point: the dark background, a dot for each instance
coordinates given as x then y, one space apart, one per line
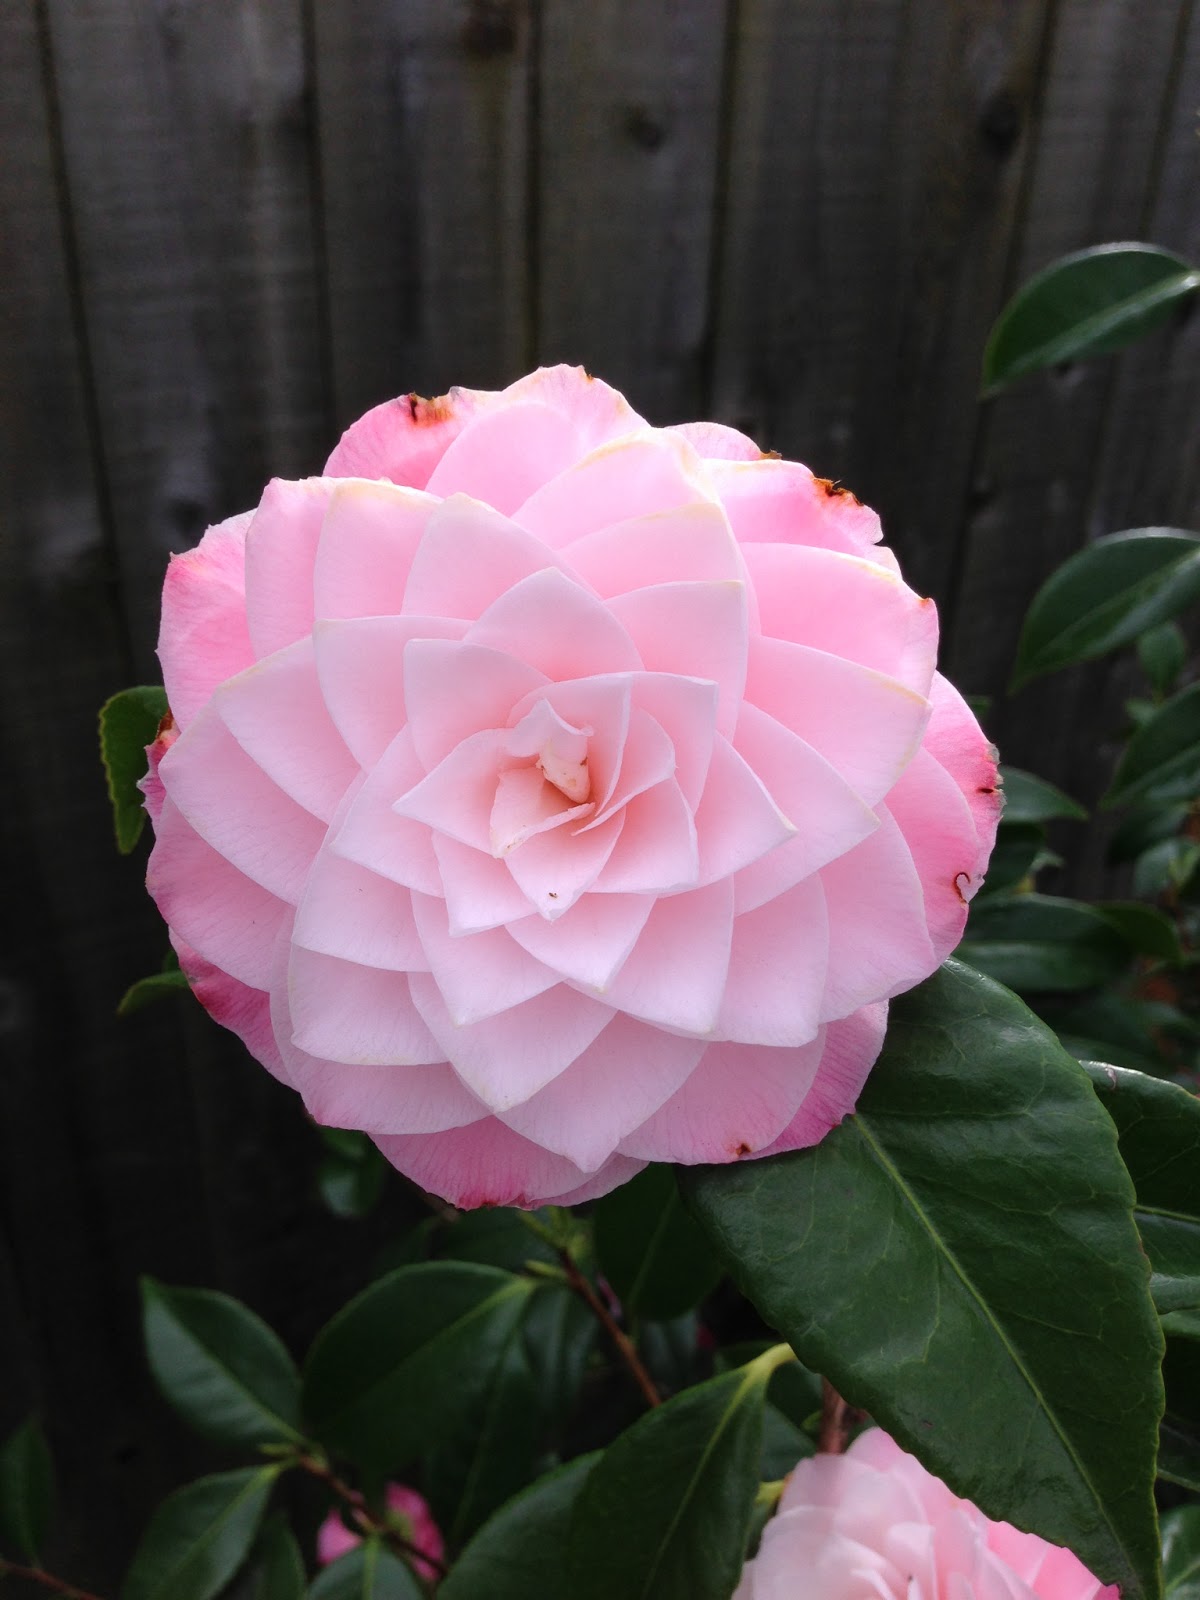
229 226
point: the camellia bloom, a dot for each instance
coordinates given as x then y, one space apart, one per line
874 1525
547 793
410 1511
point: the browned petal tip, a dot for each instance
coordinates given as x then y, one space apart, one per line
769 455
741 1150
961 879
166 726
836 491
427 413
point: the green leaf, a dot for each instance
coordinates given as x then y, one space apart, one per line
1143 828
521 1553
945 1255
1106 595
280 1567
1162 653
1030 799
1167 866
200 1536
1018 850
560 1334
146 991
26 1491
497 1237
368 1572
1039 943
1179 1444
1181 1553
128 723
1158 1126
351 1174
653 1253
1181 1324
220 1366
1089 303
666 1513
1146 930
1163 756
408 1357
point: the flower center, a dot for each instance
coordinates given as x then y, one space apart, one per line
548 782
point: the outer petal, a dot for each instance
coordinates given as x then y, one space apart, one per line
625 478
777 970
281 556
935 819
782 502
375 837
404 439
716 442
955 739
236 1006
505 454
354 914
363 1016
203 638
596 411
852 1047
692 542
368 539
676 974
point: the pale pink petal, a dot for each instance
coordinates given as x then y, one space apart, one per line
557 627
456 798
676 973
657 852
625 478
480 891
846 606
153 793
203 638
955 740
281 554
698 630
225 916
601 703
647 759
686 710
933 815
619 1081
597 413
369 537
469 557
350 912
866 725
616 1170
691 541
477 974
588 944
733 1105
487 1164
505 454
342 1011
235 1005
780 501
553 869
737 820
381 1100
236 808
455 690
852 1046
513 1055
374 836
360 667
777 970
715 442
878 939
828 815
275 711
404 439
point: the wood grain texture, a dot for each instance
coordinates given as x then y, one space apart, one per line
628 139
423 122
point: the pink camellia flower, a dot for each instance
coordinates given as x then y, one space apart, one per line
548 793
411 1512
874 1525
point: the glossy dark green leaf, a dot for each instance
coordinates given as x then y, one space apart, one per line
1146 930
1039 943
220 1366
199 1536
143 993
1169 866
368 1572
560 1334
409 1356
946 1253
1019 850
1179 1444
26 1492
666 1513
489 1454
1106 595
1031 799
1162 759
1162 655
128 723
1181 1553
279 1567
1089 303
1181 1324
653 1253
1158 1126
521 1552
351 1174
497 1237
1144 827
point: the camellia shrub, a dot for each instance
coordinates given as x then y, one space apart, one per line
570 812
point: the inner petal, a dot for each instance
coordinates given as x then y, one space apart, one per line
526 804
559 748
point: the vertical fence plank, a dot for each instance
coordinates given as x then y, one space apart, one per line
627 164
877 160
1106 81
423 116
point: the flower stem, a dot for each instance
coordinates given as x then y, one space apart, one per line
625 1346
835 1423
58 1586
361 1513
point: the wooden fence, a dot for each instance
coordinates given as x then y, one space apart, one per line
228 226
